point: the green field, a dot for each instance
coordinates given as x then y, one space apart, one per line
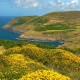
57 26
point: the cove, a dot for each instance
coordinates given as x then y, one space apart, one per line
8 35
4 34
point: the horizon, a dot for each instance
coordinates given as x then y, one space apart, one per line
40 15
36 7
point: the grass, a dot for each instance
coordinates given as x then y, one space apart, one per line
57 26
21 60
38 20
16 65
60 60
9 44
20 22
57 31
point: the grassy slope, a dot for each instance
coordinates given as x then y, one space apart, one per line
62 26
15 66
44 75
58 60
29 61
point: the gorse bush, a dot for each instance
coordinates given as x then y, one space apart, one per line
44 75
14 66
60 60
27 58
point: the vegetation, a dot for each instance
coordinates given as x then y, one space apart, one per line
9 44
14 66
44 75
57 31
26 61
20 22
61 26
57 59
57 26
38 21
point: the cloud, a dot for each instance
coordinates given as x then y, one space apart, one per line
74 3
65 4
27 3
48 4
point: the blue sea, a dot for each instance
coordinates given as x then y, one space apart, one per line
4 34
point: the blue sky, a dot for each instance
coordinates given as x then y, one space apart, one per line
36 7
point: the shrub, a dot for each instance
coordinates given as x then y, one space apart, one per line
44 75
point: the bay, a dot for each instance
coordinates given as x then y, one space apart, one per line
5 34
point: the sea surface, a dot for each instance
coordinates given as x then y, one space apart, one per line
4 34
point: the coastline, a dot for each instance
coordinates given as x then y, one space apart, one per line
34 40
38 40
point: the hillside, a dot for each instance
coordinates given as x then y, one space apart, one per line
55 26
30 62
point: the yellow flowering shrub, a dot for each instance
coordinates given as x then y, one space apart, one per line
56 58
44 75
16 65
21 60
16 59
60 60
68 55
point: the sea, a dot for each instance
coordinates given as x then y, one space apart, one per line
9 35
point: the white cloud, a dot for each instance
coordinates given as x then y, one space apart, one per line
27 3
74 1
66 4
72 4
41 4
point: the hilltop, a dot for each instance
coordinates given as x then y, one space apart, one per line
55 26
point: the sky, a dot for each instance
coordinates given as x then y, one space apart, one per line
36 7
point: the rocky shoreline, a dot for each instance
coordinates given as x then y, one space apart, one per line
34 38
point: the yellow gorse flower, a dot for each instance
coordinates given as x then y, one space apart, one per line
44 75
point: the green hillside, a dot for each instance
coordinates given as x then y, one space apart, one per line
55 26
33 62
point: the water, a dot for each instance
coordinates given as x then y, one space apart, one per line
50 43
4 34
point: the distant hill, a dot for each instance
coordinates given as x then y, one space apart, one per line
55 26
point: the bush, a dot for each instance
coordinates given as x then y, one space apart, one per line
44 75
57 26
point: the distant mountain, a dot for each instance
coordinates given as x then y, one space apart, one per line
55 26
